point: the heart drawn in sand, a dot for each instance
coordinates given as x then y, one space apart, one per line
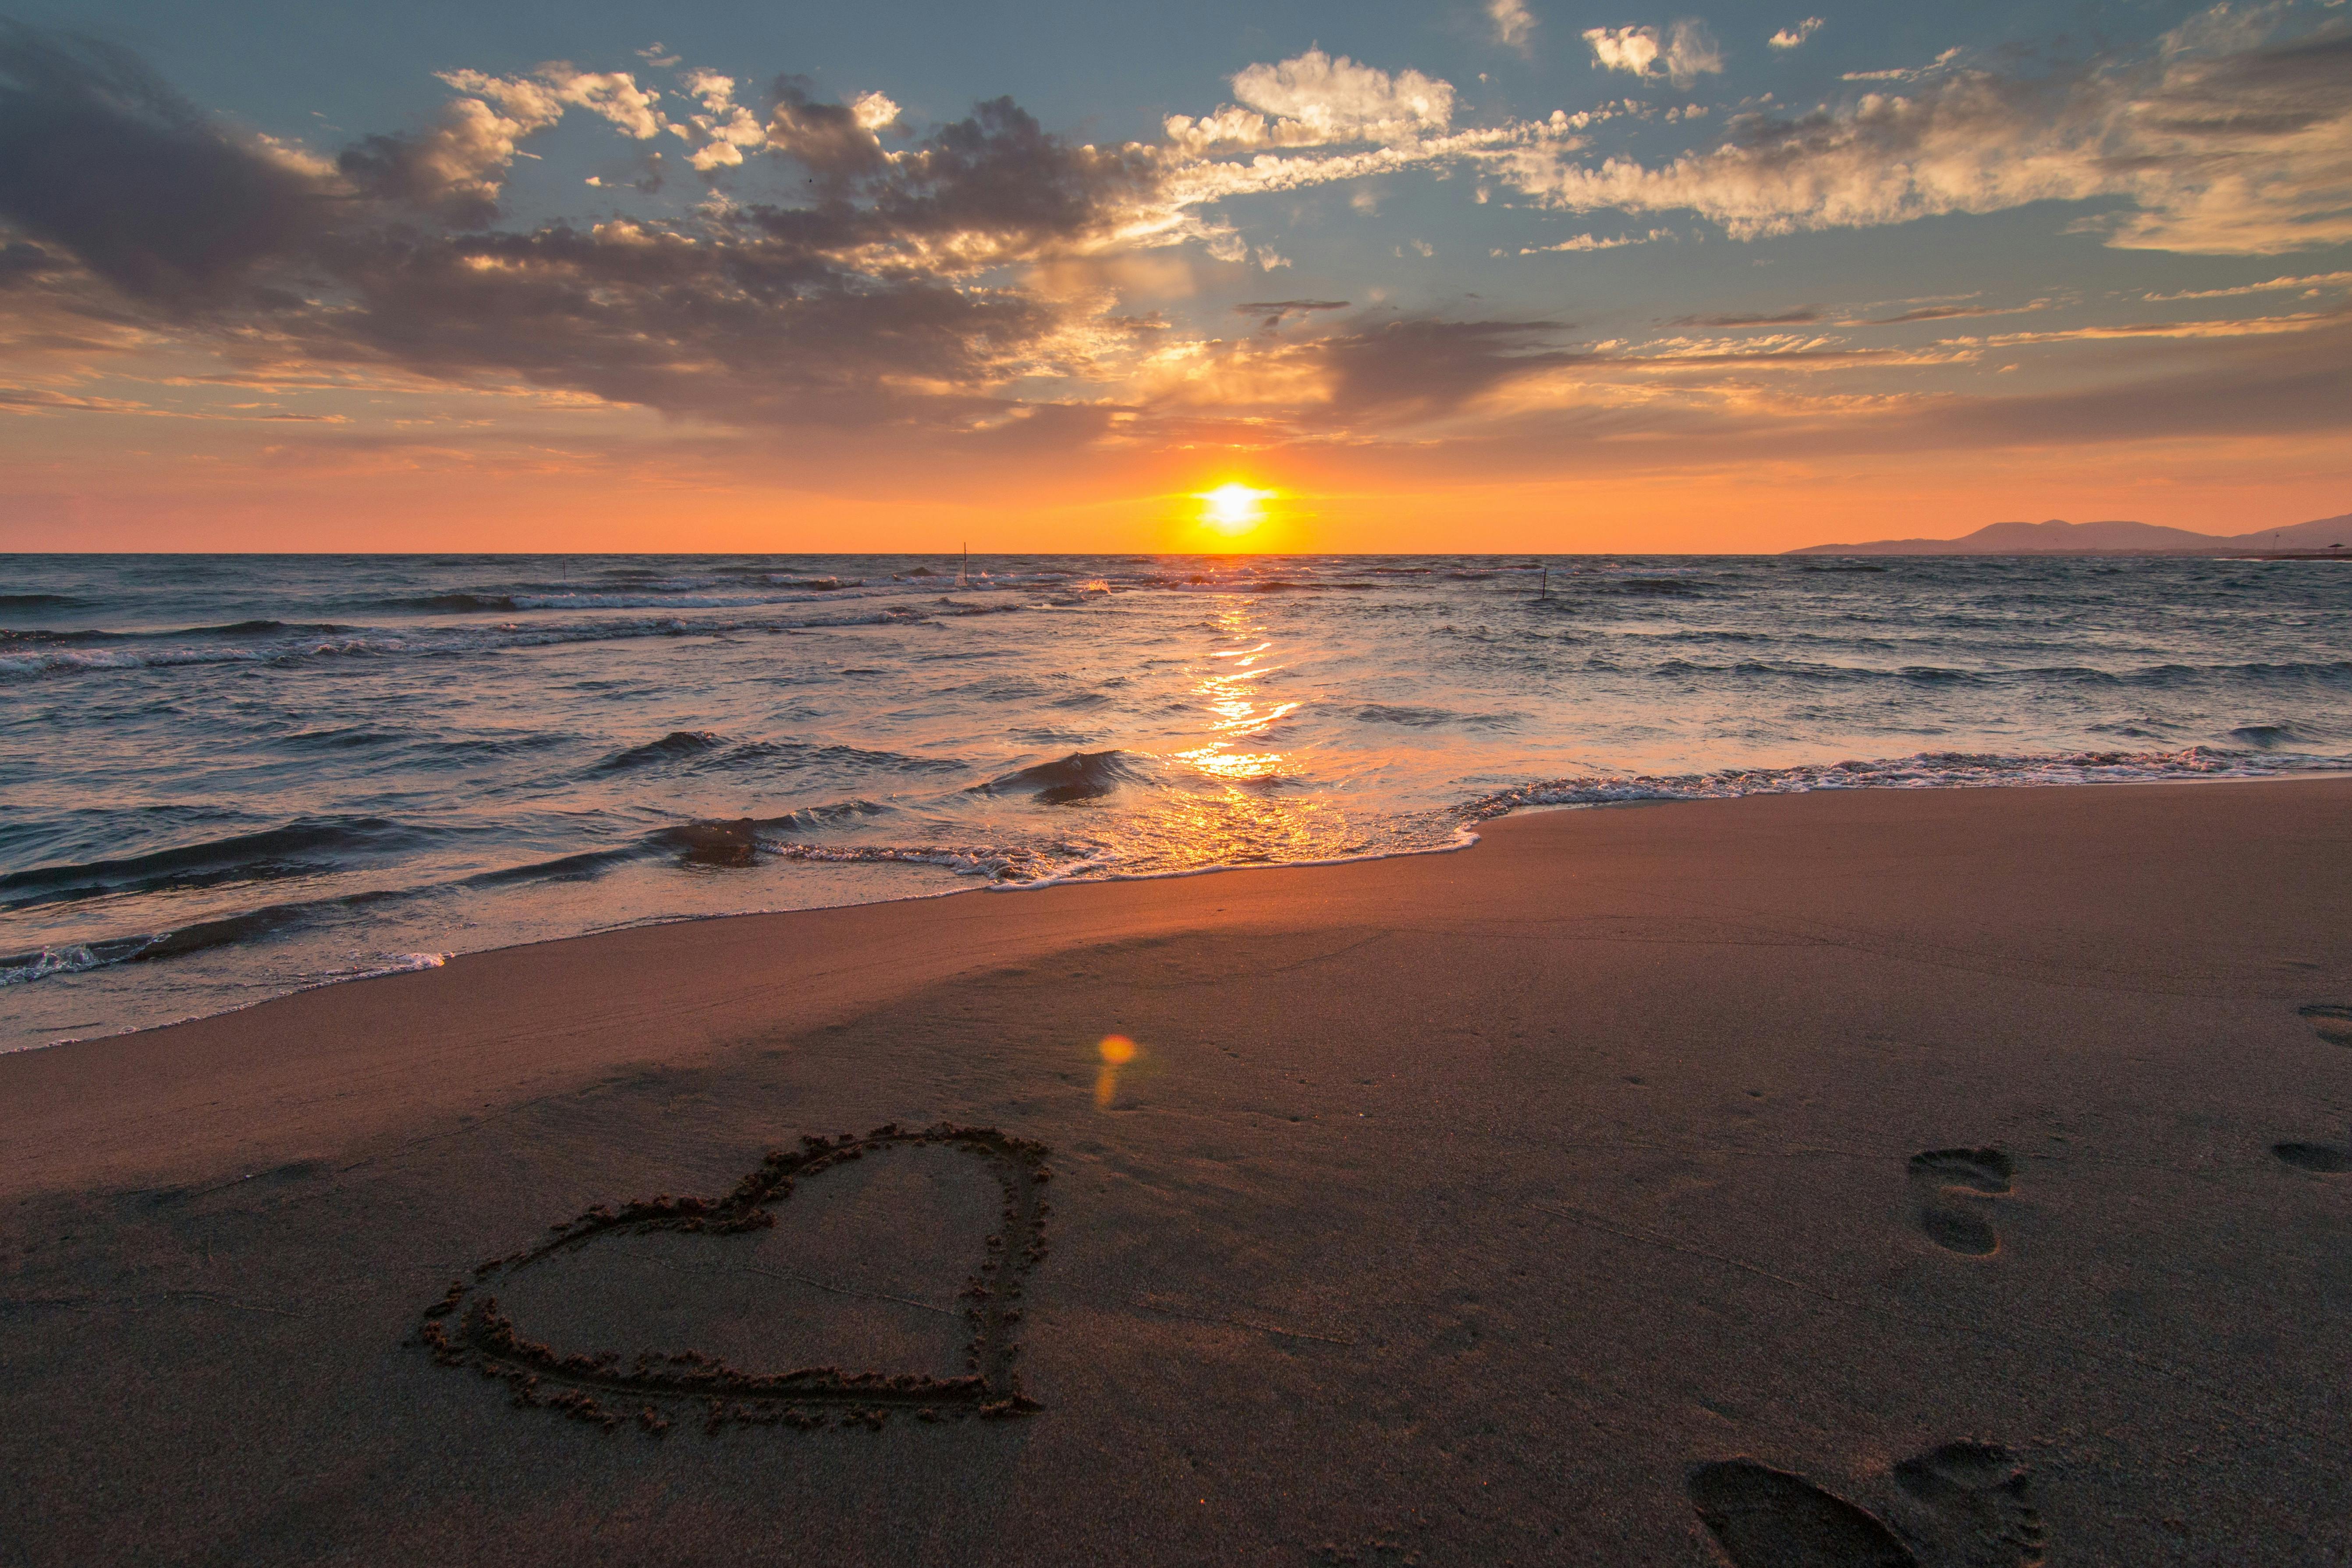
467 1328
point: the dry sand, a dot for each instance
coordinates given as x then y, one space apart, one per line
1559 1201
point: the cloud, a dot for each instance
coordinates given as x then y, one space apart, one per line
862 306
1513 23
968 282
2313 283
455 171
1803 315
2254 327
2248 152
1906 73
1683 54
1953 313
1423 368
730 128
2240 152
1587 242
1315 99
1792 37
21 263
1276 311
830 140
99 158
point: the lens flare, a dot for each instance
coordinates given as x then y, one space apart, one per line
1116 1051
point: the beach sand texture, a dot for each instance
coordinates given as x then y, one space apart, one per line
1881 1177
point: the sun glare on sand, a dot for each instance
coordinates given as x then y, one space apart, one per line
1234 508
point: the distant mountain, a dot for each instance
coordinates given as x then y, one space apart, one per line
2094 538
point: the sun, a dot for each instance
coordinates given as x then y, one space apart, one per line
1233 507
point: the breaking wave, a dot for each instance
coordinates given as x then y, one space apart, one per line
233 778
1925 770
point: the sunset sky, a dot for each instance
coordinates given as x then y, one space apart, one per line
1455 275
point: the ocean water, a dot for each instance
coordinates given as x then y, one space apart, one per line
224 778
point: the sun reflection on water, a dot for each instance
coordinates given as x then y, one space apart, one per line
1241 817
1237 715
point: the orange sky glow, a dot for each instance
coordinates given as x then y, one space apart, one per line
281 499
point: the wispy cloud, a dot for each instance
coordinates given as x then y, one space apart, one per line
1794 37
1583 242
1906 73
1803 315
2312 283
1513 23
2245 151
1954 313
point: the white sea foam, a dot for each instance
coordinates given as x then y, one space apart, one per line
546 747
1926 770
51 960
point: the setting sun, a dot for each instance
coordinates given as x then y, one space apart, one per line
1233 507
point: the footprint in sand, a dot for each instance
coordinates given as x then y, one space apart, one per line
1970 1511
1940 1176
1770 1518
2331 1021
2323 1159
1977 1511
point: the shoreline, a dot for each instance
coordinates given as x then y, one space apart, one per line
1038 933
1466 836
1962 1154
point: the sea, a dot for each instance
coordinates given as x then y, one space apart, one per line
226 778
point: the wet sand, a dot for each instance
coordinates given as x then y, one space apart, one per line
1952 1177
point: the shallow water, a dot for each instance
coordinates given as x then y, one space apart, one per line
228 777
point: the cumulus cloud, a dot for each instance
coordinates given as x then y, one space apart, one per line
2220 144
1684 53
1317 100
1513 23
830 140
1792 37
727 128
454 169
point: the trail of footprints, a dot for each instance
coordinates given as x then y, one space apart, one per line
1963 1505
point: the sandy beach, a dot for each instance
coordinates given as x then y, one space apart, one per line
1951 1177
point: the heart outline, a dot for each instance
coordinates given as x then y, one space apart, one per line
466 1328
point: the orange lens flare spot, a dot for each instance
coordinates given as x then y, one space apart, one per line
1117 1050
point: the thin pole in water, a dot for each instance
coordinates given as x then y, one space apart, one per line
1544 591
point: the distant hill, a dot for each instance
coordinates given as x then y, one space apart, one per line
2098 538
